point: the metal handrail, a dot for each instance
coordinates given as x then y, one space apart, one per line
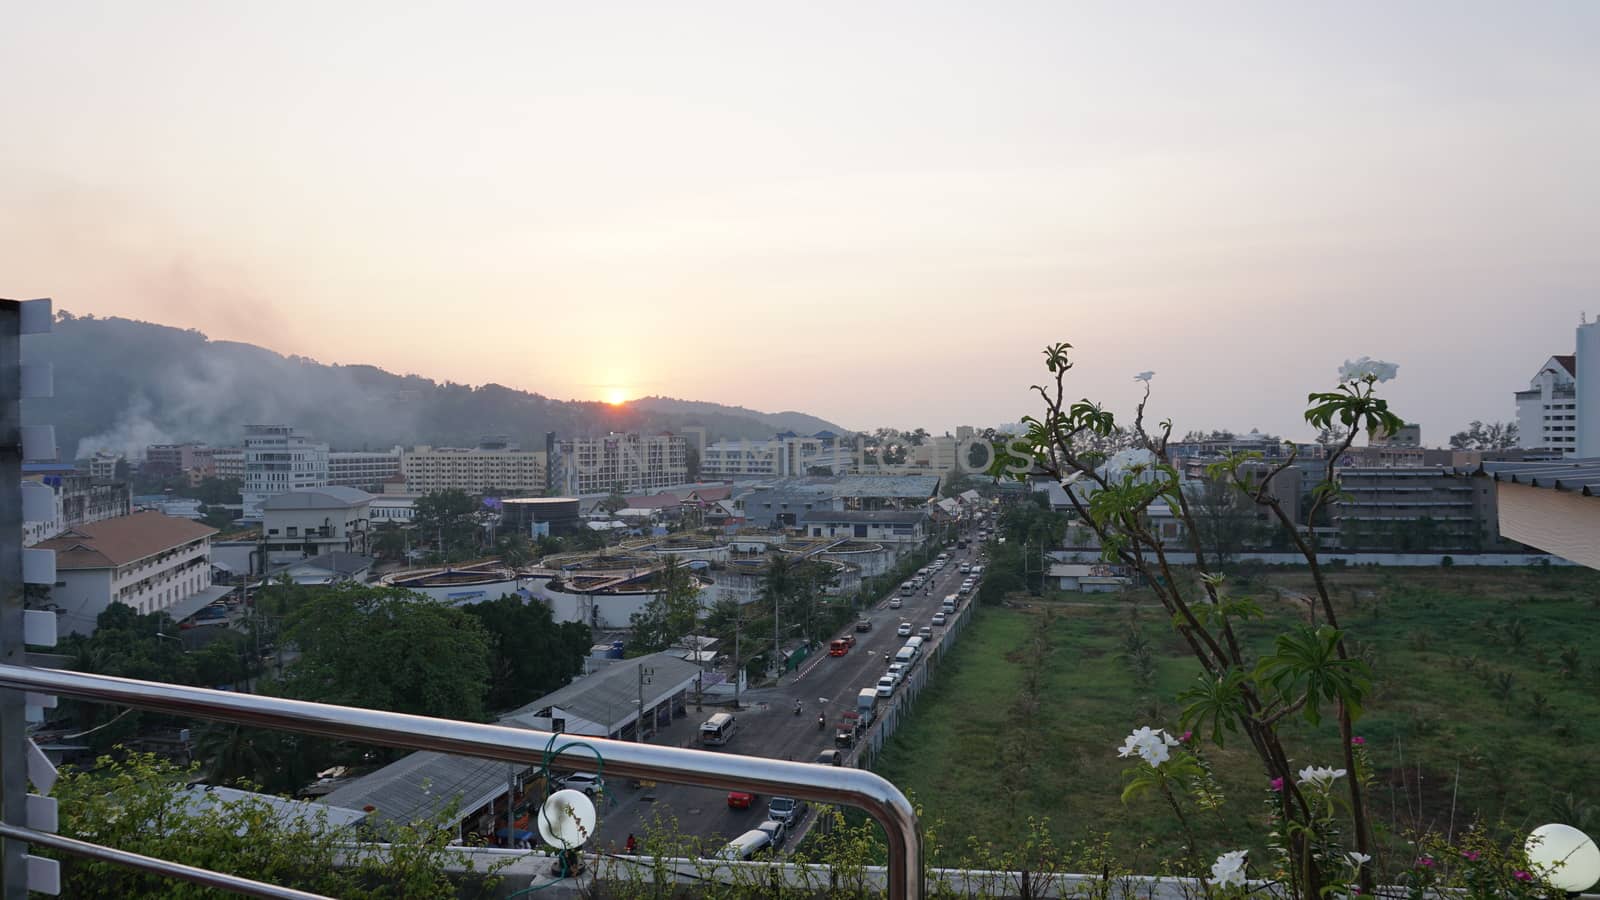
824 784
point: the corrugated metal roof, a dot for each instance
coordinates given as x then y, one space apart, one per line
332 497
1580 476
866 516
122 540
610 695
422 785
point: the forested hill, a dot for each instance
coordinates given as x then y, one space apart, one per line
121 385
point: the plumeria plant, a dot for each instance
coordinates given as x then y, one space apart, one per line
1307 673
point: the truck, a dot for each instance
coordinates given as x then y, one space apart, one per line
867 704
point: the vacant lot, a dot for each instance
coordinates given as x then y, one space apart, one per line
1486 705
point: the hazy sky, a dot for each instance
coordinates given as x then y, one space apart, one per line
876 212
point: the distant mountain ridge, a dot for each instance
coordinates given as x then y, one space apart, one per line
122 384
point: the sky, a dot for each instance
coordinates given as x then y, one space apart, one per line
874 212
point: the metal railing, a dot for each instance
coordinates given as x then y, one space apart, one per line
823 784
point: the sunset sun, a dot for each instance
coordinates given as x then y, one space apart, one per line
616 396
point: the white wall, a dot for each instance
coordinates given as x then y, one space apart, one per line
1588 379
84 594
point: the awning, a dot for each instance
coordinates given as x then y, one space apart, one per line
195 602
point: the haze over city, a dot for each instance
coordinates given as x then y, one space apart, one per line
777 207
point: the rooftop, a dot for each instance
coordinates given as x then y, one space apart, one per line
1579 476
122 540
332 497
868 516
610 695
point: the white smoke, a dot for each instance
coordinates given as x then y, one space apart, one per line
134 430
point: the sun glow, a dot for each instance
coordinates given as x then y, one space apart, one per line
616 396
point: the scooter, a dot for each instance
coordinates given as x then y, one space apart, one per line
822 722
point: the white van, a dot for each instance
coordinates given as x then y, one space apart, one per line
914 643
905 654
718 730
746 845
950 603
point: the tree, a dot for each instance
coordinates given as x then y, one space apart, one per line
1493 436
136 802
384 648
529 654
1331 435
514 549
217 491
446 517
671 613
1227 521
390 541
613 501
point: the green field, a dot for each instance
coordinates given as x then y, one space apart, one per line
1475 706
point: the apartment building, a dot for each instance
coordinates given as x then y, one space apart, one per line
278 458
228 463
499 468
1415 509
632 462
308 522
173 458
146 560
80 500
102 466
362 469
1547 412
780 456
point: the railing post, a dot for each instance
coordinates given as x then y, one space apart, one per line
13 730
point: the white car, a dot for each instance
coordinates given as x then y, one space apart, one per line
898 670
938 618
904 630
965 568
588 782
894 602
886 686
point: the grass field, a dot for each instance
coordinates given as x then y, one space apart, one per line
1476 709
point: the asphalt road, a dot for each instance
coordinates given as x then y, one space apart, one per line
768 726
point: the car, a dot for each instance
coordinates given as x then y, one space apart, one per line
776 831
904 630
740 799
965 568
894 602
925 632
838 648
942 557
785 809
850 639
844 735
588 782
898 670
864 625
885 686
938 618
830 758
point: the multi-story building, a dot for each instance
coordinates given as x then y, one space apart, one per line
79 500
308 522
1404 436
277 458
631 463
175 458
102 466
1547 412
489 467
362 469
228 463
146 560
780 456
1415 509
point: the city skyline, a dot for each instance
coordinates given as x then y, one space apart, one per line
774 209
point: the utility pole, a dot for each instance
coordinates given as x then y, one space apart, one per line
738 661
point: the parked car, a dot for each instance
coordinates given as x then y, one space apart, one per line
785 809
588 782
965 568
864 625
886 686
746 845
925 632
831 758
904 630
938 618
740 799
776 831
898 670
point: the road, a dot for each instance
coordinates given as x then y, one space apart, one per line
768 726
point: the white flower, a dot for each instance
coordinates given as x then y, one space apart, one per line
1358 859
1144 376
1367 366
1229 869
1149 744
1320 776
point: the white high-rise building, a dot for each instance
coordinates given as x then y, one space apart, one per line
631 462
277 458
1560 410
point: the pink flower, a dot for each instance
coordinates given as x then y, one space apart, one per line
1357 741
1521 875
1425 862
1277 784
1471 855
1187 735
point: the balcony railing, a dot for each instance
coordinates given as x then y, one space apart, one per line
823 784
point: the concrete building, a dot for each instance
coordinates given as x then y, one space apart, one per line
1405 436
1547 412
632 462
884 526
395 508
102 466
228 463
309 522
151 562
782 456
80 500
176 459
1415 509
477 470
362 469
277 458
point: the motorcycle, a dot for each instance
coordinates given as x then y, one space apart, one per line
797 707
886 658
822 722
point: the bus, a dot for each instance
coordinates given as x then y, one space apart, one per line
718 730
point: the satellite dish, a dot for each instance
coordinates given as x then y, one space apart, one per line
567 819
1565 856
